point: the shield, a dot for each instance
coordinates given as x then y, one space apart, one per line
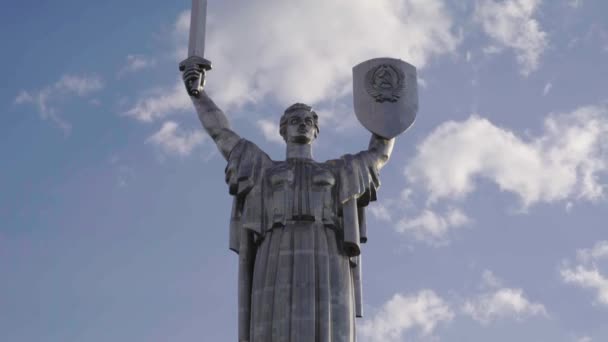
385 94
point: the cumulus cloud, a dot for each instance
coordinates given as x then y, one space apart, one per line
489 280
510 24
565 162
161 103
402 314
589 278
136 63
270 130
312 62
500 302
575 3
304 51
293 51
431 227
597 252
587 272
47 98
380 211
175 141
79 85
547 88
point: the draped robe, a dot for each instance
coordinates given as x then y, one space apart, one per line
297 226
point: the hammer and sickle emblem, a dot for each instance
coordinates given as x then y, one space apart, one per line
385 83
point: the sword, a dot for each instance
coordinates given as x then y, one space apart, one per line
195 66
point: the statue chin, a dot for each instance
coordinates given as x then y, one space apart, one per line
301 139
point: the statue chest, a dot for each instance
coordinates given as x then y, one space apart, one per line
300 190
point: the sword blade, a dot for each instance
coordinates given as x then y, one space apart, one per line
198 21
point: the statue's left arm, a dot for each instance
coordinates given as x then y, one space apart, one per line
381 149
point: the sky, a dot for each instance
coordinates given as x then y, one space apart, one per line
490 223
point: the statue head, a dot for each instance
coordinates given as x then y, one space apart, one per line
299 124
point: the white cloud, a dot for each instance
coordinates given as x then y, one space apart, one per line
598 252
136 63
584 339
380 211
24 97
587 273
294 52
431 227
79 85
575 3
175 141
565 162
161 103
181 29
423 311
510 24
270 130
489 280
502 303
547 88
587 277
46 98
304 51
499 303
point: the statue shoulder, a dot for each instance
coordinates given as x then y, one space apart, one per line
244 146
347 160
358 176
333 164
246 165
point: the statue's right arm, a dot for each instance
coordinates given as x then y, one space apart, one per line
211 116
216 123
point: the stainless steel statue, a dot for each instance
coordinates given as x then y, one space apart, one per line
297 224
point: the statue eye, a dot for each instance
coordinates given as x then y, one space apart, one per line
309 122
294 121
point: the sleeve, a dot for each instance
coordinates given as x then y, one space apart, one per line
244 175
359 178
358 181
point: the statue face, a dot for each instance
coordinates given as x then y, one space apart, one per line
301 127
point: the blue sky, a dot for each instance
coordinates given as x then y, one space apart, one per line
490 224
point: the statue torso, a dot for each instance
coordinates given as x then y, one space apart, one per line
300 190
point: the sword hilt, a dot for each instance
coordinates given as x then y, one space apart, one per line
194 69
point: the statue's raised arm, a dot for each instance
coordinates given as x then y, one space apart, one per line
381 148
211 116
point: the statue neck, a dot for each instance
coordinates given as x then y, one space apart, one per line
301 151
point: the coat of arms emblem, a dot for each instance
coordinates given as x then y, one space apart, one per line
385 83
385 95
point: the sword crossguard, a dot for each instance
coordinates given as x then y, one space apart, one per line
194 69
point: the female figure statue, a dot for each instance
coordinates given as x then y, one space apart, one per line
296 225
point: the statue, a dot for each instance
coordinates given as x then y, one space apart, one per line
297 224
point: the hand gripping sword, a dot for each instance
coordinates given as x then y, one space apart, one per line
195 66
